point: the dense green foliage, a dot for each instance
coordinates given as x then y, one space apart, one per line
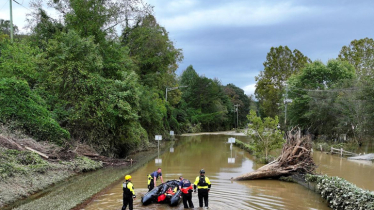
207 102
314 96
325 100
75 79
23 109
280 64
265 134
360 53
240 100
341 194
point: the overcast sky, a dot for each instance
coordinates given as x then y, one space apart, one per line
229 39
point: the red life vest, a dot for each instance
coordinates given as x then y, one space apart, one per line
186 189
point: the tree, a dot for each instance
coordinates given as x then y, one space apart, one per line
280 64
5 27
264 133
237 97
69 61
360 53
153 52
43 27
19 60
22 108
96 18
205 101
102 111
365 100
314 93
354 109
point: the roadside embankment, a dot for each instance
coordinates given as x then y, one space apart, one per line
72 191
24 172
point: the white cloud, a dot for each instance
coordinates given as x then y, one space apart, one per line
232 14
249 89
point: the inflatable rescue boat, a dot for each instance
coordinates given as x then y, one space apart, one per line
164 193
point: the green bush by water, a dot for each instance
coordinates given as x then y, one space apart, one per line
341 194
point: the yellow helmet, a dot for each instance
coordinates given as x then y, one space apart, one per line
127 177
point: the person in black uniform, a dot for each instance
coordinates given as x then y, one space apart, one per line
128 193
203 186
186 187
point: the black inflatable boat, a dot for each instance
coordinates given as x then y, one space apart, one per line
164 193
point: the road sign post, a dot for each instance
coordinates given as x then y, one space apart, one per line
231 141
158 138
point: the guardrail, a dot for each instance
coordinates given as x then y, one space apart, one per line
342 152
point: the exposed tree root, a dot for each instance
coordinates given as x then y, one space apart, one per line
295 158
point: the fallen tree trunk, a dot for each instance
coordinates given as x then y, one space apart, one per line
37 152
295 158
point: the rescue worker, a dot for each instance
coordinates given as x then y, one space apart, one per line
128 193
203 186
152 177
186 187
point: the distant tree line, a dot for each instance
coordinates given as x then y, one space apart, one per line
323 99
75 79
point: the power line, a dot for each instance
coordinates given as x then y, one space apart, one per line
21 5
333 90
6 2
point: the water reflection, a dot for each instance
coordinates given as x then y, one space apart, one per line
211 152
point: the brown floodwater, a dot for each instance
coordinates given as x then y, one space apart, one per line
211 152
358 172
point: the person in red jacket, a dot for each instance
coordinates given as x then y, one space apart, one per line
186 187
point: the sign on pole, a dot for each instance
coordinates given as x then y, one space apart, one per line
231 140
171 133
158 137
231 160
158 161
171 149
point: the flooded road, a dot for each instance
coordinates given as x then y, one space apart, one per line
212 153
358 172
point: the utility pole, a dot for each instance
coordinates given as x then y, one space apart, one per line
11 21
286 101
171 88
237 115
285 110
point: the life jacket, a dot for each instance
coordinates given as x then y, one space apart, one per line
128 189
149 179
186 186
202 181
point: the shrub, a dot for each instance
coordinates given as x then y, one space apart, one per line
247 147
27 111
341 194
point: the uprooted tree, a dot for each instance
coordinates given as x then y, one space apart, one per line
295 159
